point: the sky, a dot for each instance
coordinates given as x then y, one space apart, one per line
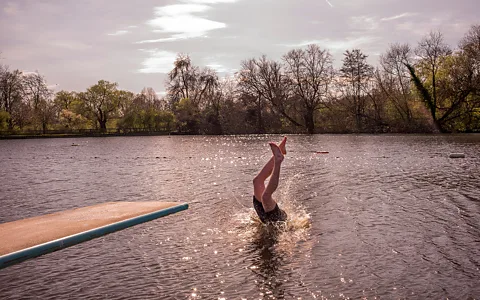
75 43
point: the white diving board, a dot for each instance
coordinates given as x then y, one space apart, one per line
24 239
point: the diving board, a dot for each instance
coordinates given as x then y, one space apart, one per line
24 239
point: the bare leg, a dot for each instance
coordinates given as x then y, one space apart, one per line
259 180
282 145
267 199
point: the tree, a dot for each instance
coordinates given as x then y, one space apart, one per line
39 98
71 110
152 99
150 95
432 52
231 110
213 107
101 102
35 89
64 99
4 119
458 81
310 73
180 78
45 112
470 50
251 92
11 94
187 115
125 99
394 80
22 115
71 120
262 80
355 76
144 111
192 87
188 81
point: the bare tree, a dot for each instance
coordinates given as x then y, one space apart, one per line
150 95
263 80
356 75
251 90
188 81
470 48
432 51
394 79
39 97
232 112
11 93
188 89
463 85
470 45
216 98
35 89
46 111
151 98
310 73
180 78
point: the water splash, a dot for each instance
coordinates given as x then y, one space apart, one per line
298 217
282 235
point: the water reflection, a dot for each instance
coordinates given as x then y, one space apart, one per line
266 261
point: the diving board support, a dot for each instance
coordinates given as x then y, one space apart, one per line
29 238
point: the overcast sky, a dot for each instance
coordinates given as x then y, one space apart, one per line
75 43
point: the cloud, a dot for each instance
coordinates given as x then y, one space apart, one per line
174 37
71 45
128 29
443 22
169 39
11 8
189 26
220 68
179 9
159 61
364 23
119 32
180 20
398 16
338 45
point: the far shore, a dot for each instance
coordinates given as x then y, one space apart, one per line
16 136
81 135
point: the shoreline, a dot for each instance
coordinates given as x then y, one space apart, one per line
98 134
81 135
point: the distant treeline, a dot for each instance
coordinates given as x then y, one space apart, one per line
428 88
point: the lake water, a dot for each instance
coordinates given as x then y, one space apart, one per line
378 217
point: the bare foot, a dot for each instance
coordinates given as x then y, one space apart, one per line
282 145
277 153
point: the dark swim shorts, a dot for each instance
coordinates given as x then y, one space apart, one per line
275 215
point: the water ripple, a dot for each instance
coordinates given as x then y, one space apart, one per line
377 217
